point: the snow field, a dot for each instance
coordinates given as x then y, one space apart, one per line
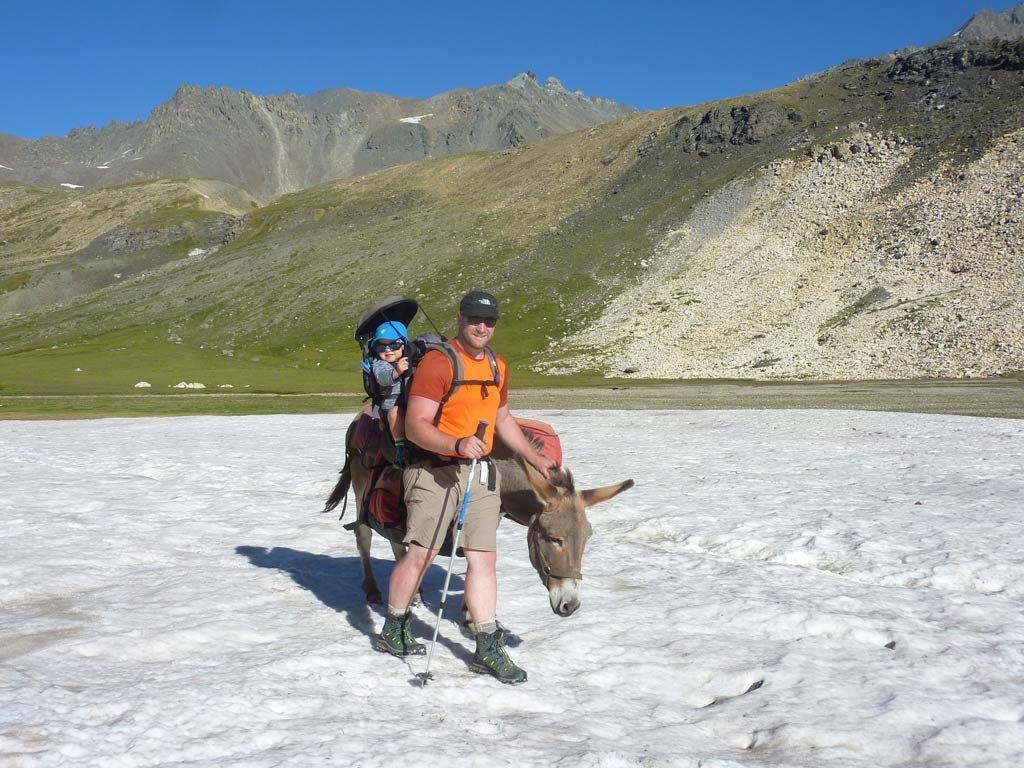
780 588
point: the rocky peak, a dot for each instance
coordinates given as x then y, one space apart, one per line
986 24
524 80
554 84
185 93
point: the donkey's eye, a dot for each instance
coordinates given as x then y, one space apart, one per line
555 540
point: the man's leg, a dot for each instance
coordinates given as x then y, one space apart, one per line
481 585
407 575
481 599
395 638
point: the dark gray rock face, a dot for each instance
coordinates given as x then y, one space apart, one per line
737 126
986 24
270 145
940 63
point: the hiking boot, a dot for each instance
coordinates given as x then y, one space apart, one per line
504 635
492 659
396 638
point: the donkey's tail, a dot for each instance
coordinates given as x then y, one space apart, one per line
340 493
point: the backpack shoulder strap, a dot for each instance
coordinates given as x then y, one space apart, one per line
493 359
458 372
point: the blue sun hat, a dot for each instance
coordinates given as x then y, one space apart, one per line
392 330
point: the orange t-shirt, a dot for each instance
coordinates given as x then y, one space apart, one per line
472 402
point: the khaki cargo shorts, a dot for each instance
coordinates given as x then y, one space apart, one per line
433 498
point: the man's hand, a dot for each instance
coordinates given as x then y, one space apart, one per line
471 447
509 431
542 463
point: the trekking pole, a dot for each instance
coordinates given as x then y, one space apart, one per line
425 675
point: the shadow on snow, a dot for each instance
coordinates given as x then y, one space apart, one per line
335 582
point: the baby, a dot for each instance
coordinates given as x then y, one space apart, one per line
389 369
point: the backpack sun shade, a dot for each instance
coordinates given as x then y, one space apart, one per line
394 308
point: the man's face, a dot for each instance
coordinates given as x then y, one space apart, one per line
475 332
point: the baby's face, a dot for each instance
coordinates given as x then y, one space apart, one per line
390 355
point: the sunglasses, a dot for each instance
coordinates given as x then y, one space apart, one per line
389 346
490 322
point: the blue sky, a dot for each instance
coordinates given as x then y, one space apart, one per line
70 64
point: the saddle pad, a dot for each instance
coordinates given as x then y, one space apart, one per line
367 437
386 505
551 446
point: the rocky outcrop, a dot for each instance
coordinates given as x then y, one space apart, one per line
738 125
939 63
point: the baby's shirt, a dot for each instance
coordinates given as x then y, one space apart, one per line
391 387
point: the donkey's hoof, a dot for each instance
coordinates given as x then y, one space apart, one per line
374 597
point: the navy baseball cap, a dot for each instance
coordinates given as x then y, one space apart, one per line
479 304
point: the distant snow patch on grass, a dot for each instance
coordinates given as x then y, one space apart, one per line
72 186
143 385
189 385
6 168
416 119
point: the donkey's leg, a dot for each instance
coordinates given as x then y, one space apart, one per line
363 536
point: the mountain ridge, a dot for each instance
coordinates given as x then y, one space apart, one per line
271 145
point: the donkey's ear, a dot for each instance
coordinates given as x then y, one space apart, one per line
544 489
597 495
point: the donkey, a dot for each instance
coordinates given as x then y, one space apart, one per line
551 508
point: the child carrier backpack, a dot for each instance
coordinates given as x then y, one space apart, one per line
394 309
403 310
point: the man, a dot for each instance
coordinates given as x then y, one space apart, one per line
442 432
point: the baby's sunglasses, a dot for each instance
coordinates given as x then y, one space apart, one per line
389 346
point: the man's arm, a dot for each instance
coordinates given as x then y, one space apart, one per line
507 428
419 427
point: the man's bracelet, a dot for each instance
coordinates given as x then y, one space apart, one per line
458 441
